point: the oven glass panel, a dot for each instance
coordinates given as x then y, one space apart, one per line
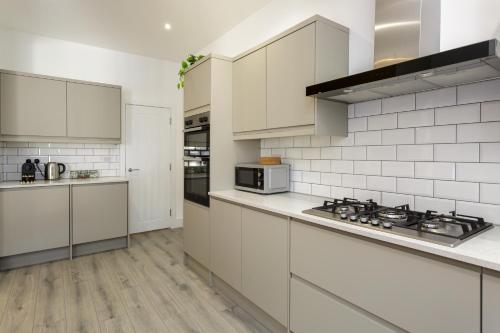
196 181
198 140
247 177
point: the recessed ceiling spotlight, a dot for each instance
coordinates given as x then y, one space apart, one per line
167 26
348 91
427 74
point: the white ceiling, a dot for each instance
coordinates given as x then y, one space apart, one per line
134 26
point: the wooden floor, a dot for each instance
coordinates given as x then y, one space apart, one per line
145 288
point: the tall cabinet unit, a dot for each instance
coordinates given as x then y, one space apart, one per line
270 81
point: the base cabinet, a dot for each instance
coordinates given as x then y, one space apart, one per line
33 219
99 212
491 302
197 232
264 262
313 311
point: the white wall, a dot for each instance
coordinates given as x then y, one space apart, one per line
468 21
144 80
279 15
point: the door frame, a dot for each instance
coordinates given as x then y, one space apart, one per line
172 220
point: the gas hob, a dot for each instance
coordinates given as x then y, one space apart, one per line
449 230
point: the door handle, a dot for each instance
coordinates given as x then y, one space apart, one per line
131 170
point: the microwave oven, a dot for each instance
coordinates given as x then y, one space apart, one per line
264 179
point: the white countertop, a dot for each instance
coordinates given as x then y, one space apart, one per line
62 182
482 250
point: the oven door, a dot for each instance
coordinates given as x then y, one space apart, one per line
249 177
196 179
197 141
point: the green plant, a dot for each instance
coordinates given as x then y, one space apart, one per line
190 60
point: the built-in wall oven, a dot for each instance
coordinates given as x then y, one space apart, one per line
197 158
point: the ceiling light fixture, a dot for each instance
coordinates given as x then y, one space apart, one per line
167 26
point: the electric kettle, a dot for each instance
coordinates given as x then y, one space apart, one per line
53 170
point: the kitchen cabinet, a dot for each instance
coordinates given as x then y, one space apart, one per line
400 287
225 242
99 212
314 311
33 219
310 52
491 301
265 262
249 92
196 232
32 106
197 85
94 111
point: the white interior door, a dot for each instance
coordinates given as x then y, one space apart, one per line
148 159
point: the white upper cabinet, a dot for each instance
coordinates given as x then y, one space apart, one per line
313 51
197 86
32 106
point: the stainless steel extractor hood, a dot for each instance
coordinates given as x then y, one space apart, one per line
407 57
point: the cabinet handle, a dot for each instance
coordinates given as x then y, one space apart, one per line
131 170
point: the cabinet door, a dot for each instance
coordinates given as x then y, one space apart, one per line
32 106
313 311
249 92
225 231
33 219
491 302
99 212
264 262
197 232
94 111
197 89
290 69
396 285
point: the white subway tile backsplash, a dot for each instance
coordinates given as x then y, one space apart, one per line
436 98
320 141
478 172
276 152
357 124
368 108
301 165
398 169
385 121
398 103
296 176
354 181
329 178
304 188
293 153
479 92
381 153
416 118
366 195
286 142
350 111
371 138
442 206
415 153
16 144
491 213
480 132
422 187
489 193
320 165
341 192
436 134
467 113
490 111
377 183
456 190
311 153
369 168
302 141
341 166
395 199
320 190
468 152
354 153
490 152
342 141
331 153
398 136
432 170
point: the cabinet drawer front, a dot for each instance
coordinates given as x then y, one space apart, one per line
225 251
197 90
197 232
99 212
33 219
398 286
265 262
94 111
312 311
32 106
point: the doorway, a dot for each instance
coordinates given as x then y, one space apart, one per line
148 166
